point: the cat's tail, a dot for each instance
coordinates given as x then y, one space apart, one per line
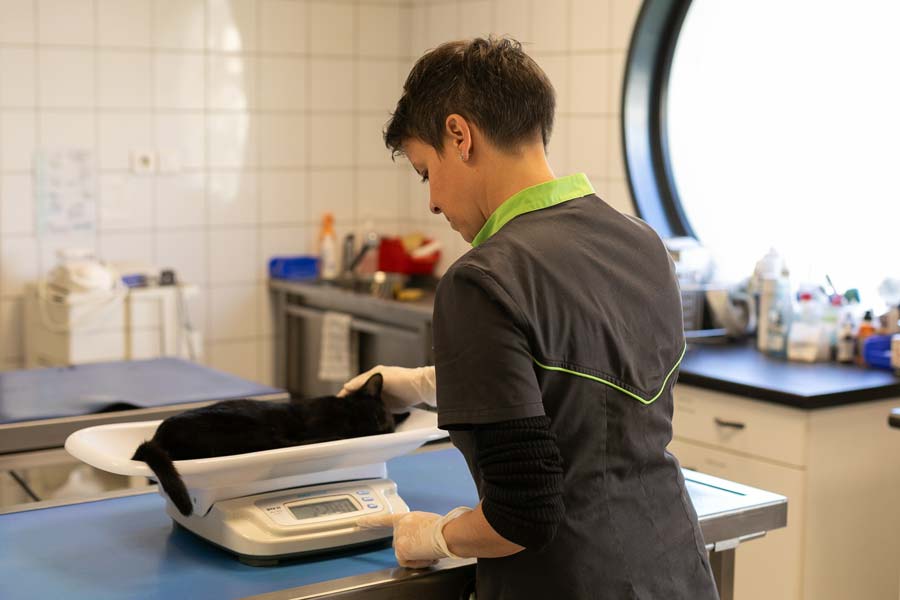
159 462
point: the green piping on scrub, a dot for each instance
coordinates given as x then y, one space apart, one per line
611 384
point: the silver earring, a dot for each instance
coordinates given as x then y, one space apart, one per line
461 157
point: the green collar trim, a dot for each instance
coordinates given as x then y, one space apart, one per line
536 197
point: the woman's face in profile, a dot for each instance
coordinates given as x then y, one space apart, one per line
452 186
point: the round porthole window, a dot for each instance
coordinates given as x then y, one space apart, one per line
764 124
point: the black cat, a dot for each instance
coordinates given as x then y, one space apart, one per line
240 426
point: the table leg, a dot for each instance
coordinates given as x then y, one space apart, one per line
722 563
279 338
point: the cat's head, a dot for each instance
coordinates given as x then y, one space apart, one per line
368 398
372 387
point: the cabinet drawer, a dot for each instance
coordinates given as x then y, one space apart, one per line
741 425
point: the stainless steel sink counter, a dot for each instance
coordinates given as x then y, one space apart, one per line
385 331
334 297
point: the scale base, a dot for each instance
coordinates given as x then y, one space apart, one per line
265 529
274 561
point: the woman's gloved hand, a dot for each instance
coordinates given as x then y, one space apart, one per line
418 536
402 387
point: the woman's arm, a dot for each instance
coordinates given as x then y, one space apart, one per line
472 535
522 487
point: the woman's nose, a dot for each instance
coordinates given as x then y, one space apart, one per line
434 209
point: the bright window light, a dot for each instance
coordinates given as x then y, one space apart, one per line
784 131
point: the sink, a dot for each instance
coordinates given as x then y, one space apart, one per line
379 284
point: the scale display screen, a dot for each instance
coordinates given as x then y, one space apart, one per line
319 509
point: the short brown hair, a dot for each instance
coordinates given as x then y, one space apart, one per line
491 82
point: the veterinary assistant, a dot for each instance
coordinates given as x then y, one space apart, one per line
557 341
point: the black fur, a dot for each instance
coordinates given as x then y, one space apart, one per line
240 426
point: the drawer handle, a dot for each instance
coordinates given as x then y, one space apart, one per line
732 424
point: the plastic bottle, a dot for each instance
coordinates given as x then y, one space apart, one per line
808 339
846 343
866 329
777 317
766 278
831 321
328 254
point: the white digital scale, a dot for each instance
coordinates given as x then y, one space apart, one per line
276 504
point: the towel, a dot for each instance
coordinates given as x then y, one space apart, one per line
338 356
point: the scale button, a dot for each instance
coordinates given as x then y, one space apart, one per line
368 499
362 492
372 505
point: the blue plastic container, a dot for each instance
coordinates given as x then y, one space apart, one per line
877 351
295 268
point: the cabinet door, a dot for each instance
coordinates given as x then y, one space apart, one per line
769 567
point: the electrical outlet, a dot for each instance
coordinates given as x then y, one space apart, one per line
143 162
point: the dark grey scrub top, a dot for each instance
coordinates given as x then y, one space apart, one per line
568 308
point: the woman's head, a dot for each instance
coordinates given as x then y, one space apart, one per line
468 106
490 82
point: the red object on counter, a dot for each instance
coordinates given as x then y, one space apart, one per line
392 258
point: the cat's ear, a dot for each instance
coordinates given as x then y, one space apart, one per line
373 386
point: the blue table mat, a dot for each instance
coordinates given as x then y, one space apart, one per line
128 547
83 389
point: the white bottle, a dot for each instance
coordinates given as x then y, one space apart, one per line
846 343
328 251
766 275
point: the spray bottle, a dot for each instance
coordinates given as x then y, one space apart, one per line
866 330
328 254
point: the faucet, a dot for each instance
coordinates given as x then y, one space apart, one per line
370 242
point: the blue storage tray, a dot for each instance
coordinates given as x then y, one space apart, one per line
294 267
877 351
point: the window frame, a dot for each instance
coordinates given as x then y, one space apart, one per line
644 131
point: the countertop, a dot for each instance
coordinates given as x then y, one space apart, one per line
740 369
127 548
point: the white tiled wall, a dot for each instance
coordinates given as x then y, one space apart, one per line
264 113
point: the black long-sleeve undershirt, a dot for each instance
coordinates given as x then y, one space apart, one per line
522 477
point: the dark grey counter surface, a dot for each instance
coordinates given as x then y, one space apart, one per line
740 369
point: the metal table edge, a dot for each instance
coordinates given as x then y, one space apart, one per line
366 581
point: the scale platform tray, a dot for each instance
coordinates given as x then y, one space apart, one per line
209 480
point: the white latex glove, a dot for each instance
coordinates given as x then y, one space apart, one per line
418 536
402 387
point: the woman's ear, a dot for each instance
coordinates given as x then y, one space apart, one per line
457 129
